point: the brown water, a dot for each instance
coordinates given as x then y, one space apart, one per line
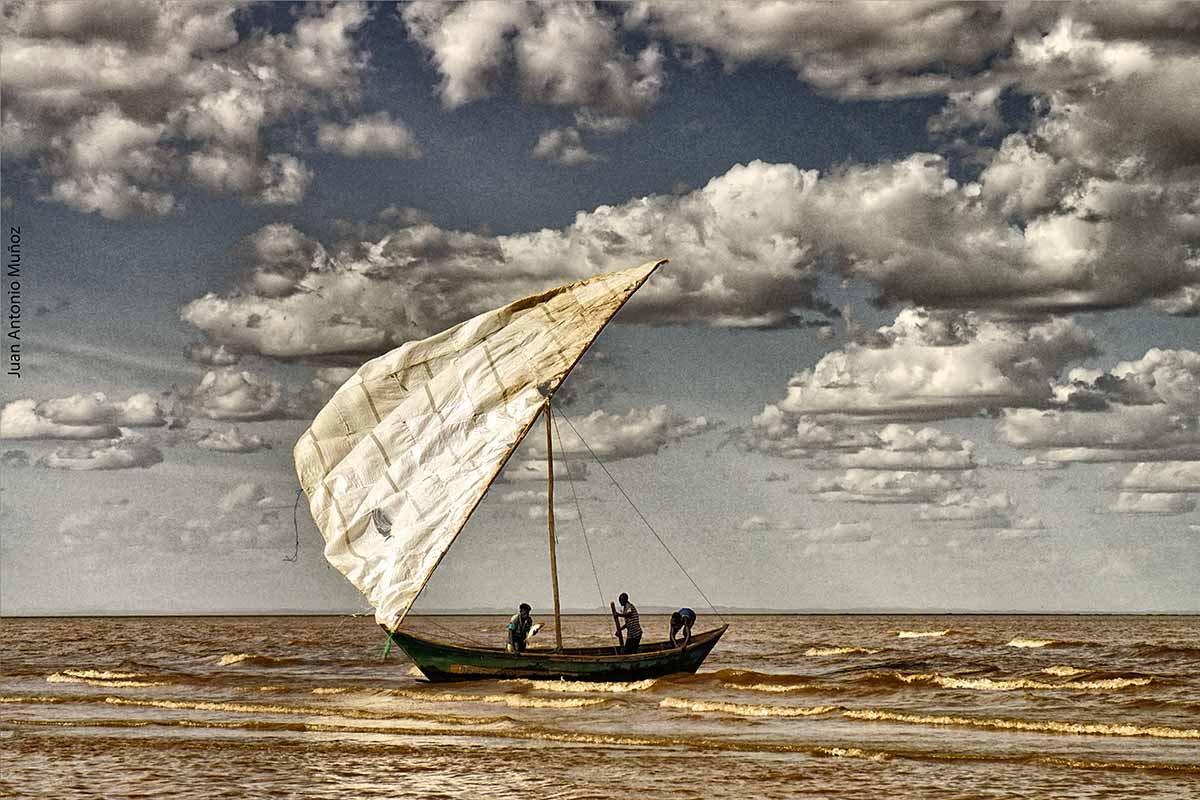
786 706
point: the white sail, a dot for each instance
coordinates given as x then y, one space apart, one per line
395 463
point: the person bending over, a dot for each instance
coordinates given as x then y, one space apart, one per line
682 622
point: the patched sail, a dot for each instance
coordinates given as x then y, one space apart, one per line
395 463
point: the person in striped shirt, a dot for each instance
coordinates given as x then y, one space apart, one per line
632 626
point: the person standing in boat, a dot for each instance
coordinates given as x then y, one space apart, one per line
519 627
632 626
682 620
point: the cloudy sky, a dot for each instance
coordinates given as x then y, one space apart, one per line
928 337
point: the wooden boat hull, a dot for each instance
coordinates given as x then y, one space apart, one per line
445 661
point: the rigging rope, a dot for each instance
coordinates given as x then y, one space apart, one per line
296 525
578 511
641 516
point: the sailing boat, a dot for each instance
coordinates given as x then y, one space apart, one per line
400 457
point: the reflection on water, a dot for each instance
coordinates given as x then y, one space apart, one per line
832 706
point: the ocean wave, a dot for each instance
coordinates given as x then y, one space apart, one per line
1013 684
921 634
1064 671
307 711
34 698
839 651
1034 726
740 678
777 688
99 677
525 701
536 733
853 752
744 709
615 687
1022 642
1172 650
254 659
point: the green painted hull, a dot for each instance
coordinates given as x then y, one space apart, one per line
444 661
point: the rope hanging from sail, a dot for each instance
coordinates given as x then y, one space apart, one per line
578 511
641 516
296 526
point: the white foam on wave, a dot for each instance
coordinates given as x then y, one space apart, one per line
1013 684
100 677
510 700
230 659
614 687
744 709
852 752
525 701
776 688
1029 643
838 651
921 634
1064 671
1035 726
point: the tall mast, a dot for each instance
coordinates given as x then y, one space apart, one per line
550 520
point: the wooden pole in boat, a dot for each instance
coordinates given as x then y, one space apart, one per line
550 520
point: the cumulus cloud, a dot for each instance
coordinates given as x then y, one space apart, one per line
976 510
563 146
243 496
1167 476
892 447
230 394
730 267
1142 410
233 441
891 486
637 432
138 411
900 447
210 355
748 247
371 135
119 106
936 365
852 50
283 180
119 454
1102 185
561 54
1153 503
20 420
